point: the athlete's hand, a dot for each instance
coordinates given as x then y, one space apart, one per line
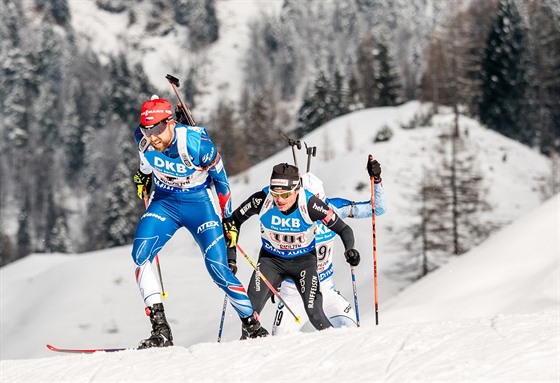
142 182
352 257
180 115
230 232
374 169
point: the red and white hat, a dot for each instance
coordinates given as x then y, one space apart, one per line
154 111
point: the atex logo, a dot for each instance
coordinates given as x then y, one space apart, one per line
206 226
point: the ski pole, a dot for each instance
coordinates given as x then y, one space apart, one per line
355 295
163 292
311 151
223 318
293 143
374 246
174 81
274 291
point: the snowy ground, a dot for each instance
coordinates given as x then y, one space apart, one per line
490 315
496 347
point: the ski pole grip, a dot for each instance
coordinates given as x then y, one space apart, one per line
172 80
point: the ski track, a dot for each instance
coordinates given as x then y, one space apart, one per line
396 353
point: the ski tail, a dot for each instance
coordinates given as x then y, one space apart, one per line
85 350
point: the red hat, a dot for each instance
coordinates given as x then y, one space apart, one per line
154 111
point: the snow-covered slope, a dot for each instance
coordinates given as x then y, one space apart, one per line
219 67
492 348
92 300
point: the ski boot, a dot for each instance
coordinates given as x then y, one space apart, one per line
251 327
161 332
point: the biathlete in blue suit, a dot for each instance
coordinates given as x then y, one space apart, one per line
184 164
288 219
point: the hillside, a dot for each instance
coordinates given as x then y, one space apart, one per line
93 297
481 343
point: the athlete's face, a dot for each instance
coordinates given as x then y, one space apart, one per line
283 201
161 139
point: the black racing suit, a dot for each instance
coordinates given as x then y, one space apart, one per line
301 269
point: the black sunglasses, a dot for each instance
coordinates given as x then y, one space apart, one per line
155 130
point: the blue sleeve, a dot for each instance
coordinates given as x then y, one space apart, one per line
346 208
380 202
211 160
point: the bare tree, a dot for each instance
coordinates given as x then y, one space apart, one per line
450 207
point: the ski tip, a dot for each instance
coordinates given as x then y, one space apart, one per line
52 348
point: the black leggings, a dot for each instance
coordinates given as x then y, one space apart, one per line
303 271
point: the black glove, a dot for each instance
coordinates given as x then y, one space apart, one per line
374 169
230 232
142 182
232 259
352 257
180 115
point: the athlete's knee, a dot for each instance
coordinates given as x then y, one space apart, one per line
140 258
141 254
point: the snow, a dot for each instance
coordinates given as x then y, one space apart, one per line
220 65
491 315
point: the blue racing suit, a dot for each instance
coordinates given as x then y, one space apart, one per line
182 176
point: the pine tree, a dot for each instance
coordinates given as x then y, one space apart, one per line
59 237
96 237
543 73
121 208
224 134
365 70
8 252
23 236
261 128
387 78
57 9
202 20
340 94
287 61
503 76
320 104
126 87
74 137
451 75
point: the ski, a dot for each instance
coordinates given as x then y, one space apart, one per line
85 350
